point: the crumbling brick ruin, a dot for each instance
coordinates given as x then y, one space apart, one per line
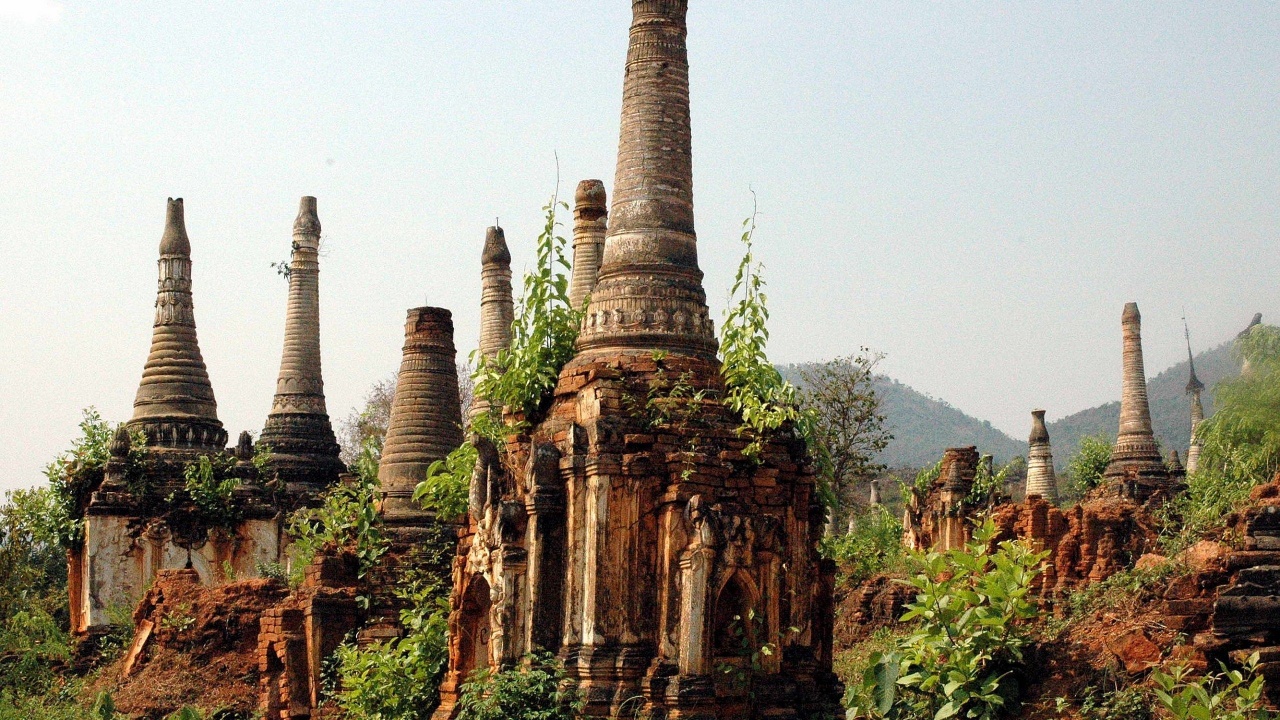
641 550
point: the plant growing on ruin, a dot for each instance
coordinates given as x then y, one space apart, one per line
989 484
872 545
757 392
347 517
533 690
923 481
445 489
1225 695
974 609
211 485
398 679
74 474
521 377
1084 471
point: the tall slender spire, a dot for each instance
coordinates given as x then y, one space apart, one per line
589 225
303 449
1194 388
426 420
1135 456
175 406
1040 477
497 309
649 294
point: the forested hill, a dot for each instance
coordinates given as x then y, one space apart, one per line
923 427
1170 406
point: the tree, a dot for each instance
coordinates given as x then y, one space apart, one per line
849 426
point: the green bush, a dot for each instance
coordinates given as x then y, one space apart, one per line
212 489
535 690
398 679
445 489
73 475
874 545
974 609
1226 695
1241 445
522 376
346 518
1084 470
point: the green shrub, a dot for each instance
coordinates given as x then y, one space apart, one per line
74 474
346 518
445 489
522 376
398 679
212 488
534 690
1122 703
872 546
1084 470
973 609
1226 695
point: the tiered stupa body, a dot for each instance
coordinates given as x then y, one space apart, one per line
590 215
627 539
426 418
1040 476
175 405
1135 458
304 452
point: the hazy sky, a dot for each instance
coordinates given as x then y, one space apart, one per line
974 189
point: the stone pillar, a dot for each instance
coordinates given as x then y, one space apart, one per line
649 295
1135 454
426 419
304 451
175 405
589 225
959 467
1040 477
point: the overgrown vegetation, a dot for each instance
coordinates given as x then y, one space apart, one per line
346 518
445 489
959 660
872 545
1225 695
1241 445
756 391
521 377
533 690
211 485
1084 470
74 474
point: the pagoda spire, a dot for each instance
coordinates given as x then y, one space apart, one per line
497 309
1040 477
1135 456
649 295
175 406
1194 388
304 452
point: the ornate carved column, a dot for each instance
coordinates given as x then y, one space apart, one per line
304 451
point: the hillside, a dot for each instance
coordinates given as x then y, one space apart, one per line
923 427
1170 406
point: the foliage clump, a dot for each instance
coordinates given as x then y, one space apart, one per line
974 610
448 481
1226 695
534 690
75 474
872 545
1084 470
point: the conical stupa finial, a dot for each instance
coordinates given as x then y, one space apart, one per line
304 452
1194 386
175 406
649 294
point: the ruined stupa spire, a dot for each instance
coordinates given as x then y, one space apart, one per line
1135 454
589 224
497 309
298 433
175 405
1040 476
649 294
1194 388
426 419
